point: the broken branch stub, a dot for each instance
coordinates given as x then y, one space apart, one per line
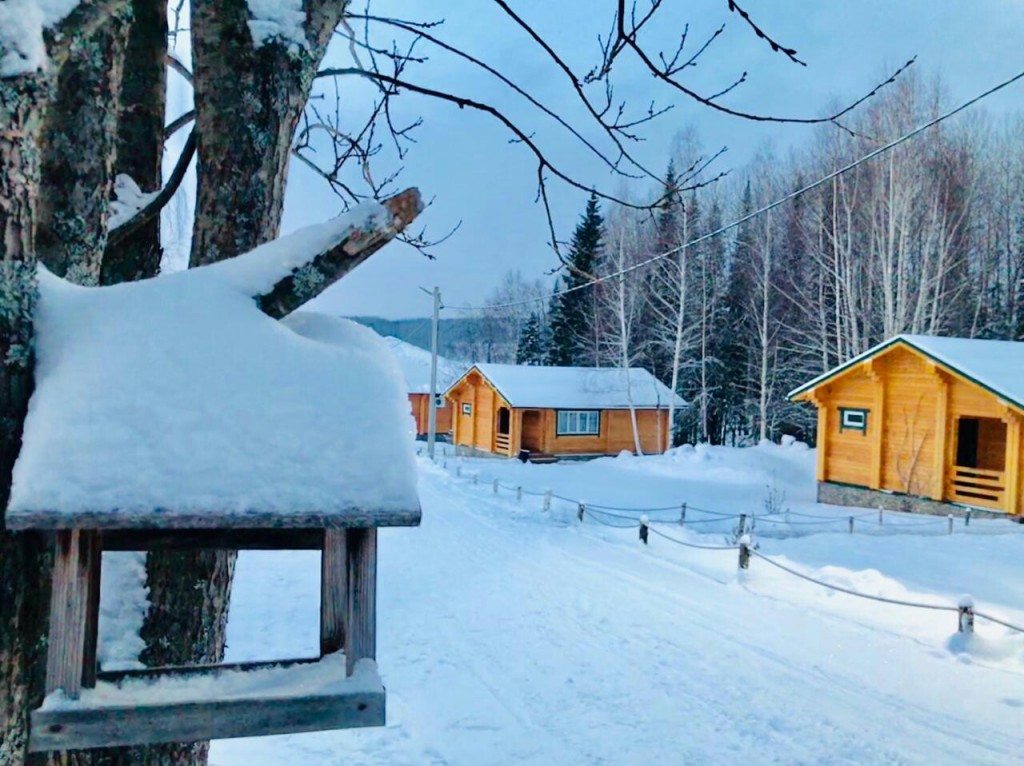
325 269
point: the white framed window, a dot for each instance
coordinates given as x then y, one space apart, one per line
579 422
467 408
853 419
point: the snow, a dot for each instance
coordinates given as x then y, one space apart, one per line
124 600
511 635
577 387
22 22
415 365
277 21
176 395
323 677
996 364
128 200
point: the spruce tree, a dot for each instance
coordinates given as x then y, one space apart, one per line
572 340
530 350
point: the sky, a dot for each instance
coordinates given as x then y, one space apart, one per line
463 161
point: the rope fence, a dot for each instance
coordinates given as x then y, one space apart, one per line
966 613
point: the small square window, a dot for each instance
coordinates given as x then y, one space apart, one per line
467 408
853 419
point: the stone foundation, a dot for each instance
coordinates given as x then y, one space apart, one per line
862 497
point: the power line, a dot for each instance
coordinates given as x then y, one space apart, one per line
760 211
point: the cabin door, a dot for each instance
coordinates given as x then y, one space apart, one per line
503 430
533 431
979 475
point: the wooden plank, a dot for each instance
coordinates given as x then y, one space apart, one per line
162 519
879 426
1012 461
216 539
203 720
92 611
69 607
361 622
822 441
166 671
333 590
941 426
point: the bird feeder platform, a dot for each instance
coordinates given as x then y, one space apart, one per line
88 708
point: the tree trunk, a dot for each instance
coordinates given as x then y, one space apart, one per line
24 565
78 149
140 137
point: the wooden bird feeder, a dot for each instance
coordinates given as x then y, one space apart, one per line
172 413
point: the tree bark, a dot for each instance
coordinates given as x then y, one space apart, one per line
24 565
78 149
140 137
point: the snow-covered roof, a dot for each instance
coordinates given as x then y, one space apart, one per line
175 401
599 388
415 365
996 365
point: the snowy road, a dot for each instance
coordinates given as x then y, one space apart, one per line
507 638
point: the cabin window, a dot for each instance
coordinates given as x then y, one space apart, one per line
853 419
467 408
579 422
504 421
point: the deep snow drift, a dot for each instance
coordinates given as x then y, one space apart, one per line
510 635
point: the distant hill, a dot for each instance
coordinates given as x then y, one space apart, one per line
465 339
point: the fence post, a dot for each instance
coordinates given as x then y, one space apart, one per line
519 494
965 615
745 552
580 510
495 486
643 529
967 518
950 518
547 500
444 463
881 518
851 525
458 471
682 513
476 478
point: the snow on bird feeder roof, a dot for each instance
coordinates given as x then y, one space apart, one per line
176 402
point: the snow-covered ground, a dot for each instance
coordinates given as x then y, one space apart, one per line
510 635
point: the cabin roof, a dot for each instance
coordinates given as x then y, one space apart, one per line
995 365
414 363
175 402
598 388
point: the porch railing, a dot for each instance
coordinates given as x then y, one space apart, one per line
977 486
502 443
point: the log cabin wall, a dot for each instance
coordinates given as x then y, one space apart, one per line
420 405
915 410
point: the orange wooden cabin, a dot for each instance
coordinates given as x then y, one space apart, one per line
923 417
503 409
415 365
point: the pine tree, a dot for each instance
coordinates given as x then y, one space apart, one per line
572 329
531 343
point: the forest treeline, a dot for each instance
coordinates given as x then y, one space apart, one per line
927 238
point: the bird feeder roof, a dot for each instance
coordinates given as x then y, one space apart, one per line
175 403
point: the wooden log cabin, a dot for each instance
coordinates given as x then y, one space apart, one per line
507 409
415 365
923 419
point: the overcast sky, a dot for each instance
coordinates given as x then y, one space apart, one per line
465 162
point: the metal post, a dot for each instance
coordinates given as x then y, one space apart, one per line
495 485
743 524
458 471
950 518
682 513
745 552
967 518
580 511
643 529
851 525
476 478
547 500
881 518
519 494
432 416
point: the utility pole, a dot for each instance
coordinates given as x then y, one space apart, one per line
432 418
